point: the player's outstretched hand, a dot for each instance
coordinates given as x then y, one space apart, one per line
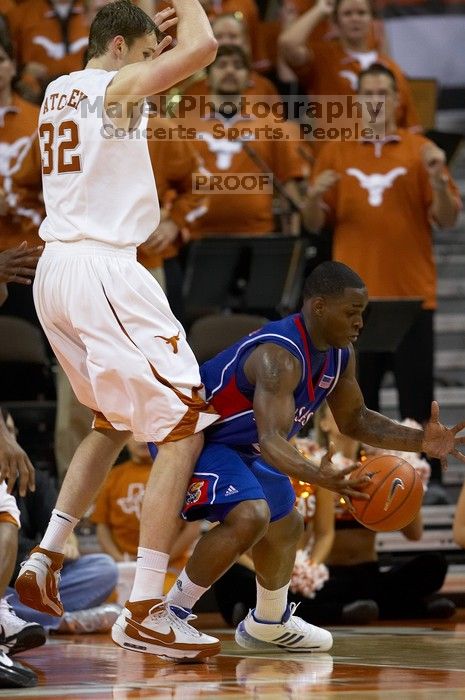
335 478
18 264
440 441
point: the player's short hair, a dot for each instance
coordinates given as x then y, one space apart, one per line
118 18
231 50
378 69
331 278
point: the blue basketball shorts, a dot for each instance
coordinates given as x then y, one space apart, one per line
224 477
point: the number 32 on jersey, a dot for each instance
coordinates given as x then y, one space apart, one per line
59 143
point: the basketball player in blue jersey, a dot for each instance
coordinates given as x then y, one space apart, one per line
265 388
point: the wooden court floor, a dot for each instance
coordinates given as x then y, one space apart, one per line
384 661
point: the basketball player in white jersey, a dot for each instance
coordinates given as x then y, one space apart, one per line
107 320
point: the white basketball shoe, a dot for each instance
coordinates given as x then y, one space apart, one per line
156 627
291 634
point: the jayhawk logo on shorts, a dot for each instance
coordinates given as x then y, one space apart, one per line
194 493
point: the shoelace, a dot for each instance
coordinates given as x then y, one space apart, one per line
293 607
297 622
164 610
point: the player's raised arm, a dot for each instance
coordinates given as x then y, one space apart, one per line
195 48
354 419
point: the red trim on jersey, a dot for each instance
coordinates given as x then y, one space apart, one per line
303 335
229 400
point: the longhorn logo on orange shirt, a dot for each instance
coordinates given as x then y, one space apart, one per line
57 50
173 341
132 502
223 149
376 183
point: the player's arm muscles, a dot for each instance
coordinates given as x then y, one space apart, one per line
275 372
354 419
195 48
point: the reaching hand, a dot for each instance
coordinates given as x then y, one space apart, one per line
15 464
166 19
19 264
434 160
333 478
439 441
162 237
323 182
164 43
326 7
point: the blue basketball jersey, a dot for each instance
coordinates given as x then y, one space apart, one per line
228 389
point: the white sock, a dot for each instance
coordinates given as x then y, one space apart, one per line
185 592
271 605
150 574
60 527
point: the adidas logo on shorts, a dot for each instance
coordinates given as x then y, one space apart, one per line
230 491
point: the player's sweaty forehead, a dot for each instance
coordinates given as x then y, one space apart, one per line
352 299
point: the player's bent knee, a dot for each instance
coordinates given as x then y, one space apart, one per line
296 524
289 529
250 520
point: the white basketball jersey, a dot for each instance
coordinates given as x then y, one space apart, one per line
97 184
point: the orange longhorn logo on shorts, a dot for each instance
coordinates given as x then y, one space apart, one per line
173 341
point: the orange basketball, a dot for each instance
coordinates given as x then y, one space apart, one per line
396 493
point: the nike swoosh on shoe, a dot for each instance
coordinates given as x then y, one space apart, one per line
167 639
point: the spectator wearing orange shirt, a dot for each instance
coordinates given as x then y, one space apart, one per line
327 29
232 31
332 67
382 196
50 39
20 207
244 10
225 140
117 516
18 125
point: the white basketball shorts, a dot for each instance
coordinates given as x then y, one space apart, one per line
9 511
112 330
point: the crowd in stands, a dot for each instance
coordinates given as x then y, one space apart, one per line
378 198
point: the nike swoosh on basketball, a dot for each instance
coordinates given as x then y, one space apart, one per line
396 483
156 636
